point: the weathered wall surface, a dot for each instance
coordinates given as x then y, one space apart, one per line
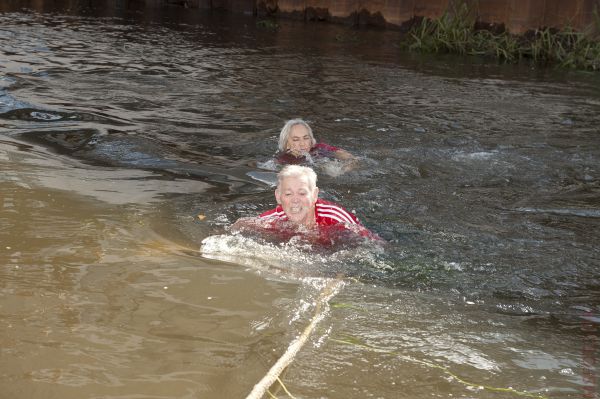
517 15
522 15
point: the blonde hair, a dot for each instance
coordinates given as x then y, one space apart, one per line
298 171
287 128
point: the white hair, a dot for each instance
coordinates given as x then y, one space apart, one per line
287 128
298 171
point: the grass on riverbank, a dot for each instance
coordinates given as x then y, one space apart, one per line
456 31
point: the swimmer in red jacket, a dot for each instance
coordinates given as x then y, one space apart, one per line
297 145
300 211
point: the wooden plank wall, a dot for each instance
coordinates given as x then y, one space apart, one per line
517 15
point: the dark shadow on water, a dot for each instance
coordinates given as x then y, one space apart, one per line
133 152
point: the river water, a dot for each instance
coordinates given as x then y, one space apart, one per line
125 140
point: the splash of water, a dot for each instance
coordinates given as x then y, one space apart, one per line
297 257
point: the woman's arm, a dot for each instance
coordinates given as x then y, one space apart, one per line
343 155
349 161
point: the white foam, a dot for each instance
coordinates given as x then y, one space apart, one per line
268 165
295 258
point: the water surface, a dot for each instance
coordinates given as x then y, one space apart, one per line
119 127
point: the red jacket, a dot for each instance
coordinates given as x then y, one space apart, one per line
333 220
326 214
318 150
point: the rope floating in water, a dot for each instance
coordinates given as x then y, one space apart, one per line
328 292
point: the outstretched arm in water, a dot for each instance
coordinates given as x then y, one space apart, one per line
343 155
349 161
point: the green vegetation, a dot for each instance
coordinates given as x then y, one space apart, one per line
457 31
269 24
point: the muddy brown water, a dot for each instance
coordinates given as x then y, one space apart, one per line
119 127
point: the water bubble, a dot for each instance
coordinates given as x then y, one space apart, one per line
45 116
567 371
567 122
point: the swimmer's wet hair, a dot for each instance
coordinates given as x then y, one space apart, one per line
287 128
298 171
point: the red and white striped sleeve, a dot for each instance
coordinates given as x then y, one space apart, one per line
276 213
330 210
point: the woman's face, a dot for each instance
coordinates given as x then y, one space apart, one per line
299 141
297 199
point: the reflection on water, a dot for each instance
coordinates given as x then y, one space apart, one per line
120 127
